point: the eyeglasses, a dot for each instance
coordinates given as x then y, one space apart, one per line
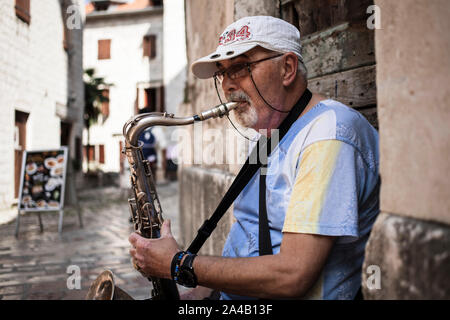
239 70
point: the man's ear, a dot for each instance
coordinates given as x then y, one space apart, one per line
290 64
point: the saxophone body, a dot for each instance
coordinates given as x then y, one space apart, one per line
145 208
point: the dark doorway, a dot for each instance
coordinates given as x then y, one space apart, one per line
20 135
66 128
150 99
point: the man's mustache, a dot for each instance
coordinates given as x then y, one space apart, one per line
238 97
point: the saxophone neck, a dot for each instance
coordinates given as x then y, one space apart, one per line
136 125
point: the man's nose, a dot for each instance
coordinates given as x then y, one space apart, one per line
228 85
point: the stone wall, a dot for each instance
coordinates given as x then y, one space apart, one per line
411 239
203 185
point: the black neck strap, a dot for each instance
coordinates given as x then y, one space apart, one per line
264 147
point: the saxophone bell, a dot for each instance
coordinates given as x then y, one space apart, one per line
104 288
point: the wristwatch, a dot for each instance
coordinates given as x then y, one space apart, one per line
186 276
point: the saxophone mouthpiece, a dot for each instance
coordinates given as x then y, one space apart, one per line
217 111
232 105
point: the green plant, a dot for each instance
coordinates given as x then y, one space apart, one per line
93 98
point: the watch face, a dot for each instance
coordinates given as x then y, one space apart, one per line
187 278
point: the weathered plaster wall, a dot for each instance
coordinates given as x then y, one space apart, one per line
413 76
410 241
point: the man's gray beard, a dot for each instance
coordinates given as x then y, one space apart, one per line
248 117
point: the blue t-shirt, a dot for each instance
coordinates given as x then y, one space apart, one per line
321 179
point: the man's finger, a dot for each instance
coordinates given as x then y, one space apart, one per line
134 238
165 229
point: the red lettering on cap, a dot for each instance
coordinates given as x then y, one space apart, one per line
232 35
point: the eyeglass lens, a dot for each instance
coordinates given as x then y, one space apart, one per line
240 69
233 72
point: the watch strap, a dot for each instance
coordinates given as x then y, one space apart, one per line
188 261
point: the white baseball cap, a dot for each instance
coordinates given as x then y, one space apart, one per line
245 34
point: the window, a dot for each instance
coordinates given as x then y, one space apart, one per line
149 46
101 5
154 99
156 2
104 49
94 153
23 10
89 153
150 99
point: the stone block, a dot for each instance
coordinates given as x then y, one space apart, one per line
244 8
413 258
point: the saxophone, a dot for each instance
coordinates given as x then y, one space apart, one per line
145 208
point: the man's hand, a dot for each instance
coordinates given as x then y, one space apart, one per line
153 257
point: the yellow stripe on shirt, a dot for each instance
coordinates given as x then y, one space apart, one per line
310 188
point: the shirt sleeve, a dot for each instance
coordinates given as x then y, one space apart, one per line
324 199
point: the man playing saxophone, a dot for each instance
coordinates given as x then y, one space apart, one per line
320 190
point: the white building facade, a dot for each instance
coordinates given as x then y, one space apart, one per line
41 88
125 47
175 60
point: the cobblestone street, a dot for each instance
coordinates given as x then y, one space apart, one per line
35 266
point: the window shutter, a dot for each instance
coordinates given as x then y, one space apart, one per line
22 8
104 49
146 46
65 44
101 149
162 106
149 46
65 36
152 46
91 153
